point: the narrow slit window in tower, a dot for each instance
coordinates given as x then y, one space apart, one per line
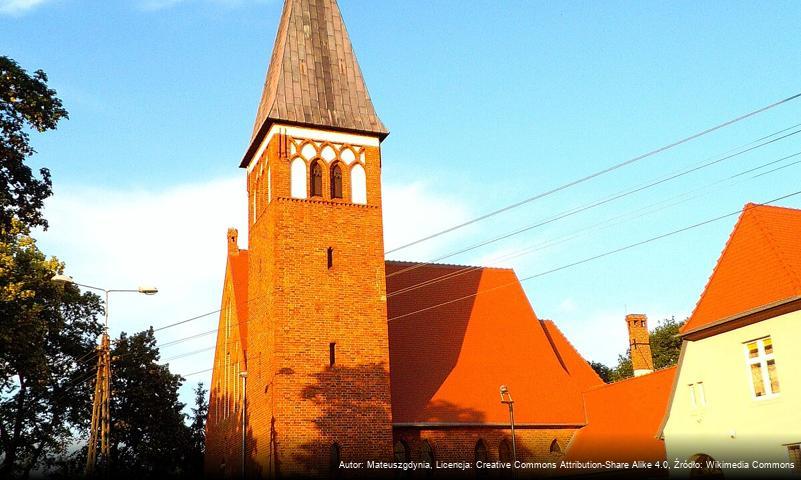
316 180
336 182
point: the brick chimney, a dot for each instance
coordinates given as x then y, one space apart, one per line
642 362
233 238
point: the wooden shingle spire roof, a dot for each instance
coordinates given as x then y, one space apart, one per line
314 78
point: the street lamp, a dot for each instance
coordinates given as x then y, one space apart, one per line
506 398
101 414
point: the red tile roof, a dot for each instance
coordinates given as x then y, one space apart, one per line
760 264
578 368
447 363
623 420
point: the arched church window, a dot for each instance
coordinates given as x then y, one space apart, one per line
705 467
316 179
505 451
481 451
427 453
336 181
297 178
401 451
335 456
358 185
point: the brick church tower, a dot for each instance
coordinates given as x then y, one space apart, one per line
316 352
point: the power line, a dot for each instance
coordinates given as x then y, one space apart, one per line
538 247
592 205
589 259
574 211
425 283
595 174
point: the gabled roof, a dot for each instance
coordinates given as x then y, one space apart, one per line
314 78
447 363
760 265
623 420
575 365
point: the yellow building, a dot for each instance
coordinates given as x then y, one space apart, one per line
735 403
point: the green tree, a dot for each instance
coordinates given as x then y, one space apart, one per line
25 102
197 433
47 356
602 370
149 435
666 343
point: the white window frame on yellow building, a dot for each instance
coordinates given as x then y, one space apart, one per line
762 360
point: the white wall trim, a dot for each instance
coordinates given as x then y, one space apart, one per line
311 134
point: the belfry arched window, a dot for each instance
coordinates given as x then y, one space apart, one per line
336 181
316 179
358 185
298 178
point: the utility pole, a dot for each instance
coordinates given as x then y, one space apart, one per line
101 416
100 430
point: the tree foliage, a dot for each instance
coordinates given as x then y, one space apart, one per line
47 355
197 433
26 102
149 435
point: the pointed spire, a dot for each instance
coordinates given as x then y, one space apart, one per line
314 78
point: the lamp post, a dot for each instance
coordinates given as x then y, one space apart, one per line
101 415
244 376
506 398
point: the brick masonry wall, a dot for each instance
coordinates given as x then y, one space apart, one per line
298 404
639 342
223 433
459 444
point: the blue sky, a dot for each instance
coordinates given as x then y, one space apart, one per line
488 102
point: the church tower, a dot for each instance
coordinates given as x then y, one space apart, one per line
318 386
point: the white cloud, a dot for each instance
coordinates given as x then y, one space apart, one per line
176 239
411 212
152 5
568 305
18 7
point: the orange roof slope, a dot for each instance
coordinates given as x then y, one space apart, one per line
448 360
623 419
760 264
578 368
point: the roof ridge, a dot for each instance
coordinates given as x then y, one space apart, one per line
553 346
454 265
618 382
771 241
717 264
